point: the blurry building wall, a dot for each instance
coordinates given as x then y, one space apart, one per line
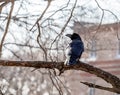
102 50
102 42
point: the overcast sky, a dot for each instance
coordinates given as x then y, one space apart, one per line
111 5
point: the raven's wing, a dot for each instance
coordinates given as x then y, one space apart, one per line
77 48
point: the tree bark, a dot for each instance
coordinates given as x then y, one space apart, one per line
112 79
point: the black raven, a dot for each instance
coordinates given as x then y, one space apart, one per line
76 48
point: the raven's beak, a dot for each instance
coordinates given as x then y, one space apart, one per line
68 35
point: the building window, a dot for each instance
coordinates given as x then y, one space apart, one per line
93 50
91 91
118 52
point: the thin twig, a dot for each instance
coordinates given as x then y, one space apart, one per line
65 25
7 26
48 5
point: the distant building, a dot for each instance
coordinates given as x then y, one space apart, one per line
75 77
102 42
102 50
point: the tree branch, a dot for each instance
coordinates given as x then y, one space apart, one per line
66 23
113 80
48 5
7 26
100 87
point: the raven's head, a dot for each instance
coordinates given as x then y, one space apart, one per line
74 36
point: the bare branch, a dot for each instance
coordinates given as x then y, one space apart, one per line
103 11
48 5
100 87
55 82
112 79
7 26
39 34
65 25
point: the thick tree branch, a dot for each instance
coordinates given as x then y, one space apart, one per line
113 80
